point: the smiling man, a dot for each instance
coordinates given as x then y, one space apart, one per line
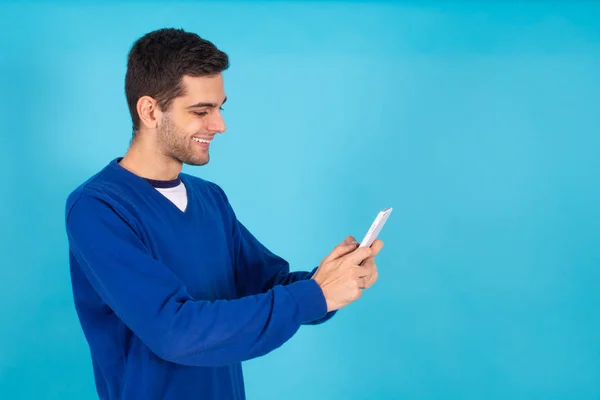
172 291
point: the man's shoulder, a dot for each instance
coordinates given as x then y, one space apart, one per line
197 181
89 187
102 186
207 186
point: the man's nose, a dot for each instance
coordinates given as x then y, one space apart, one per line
217 124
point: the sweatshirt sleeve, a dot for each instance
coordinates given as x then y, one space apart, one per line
156 306
259 270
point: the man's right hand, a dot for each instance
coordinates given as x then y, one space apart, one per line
339 274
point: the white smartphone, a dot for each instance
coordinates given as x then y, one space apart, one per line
376 226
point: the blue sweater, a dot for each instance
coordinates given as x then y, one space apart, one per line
171 302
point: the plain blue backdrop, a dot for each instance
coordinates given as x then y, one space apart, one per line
478 122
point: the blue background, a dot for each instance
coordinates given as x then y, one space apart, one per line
477 122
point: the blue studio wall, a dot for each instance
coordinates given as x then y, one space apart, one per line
478 122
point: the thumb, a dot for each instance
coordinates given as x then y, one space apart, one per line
350 240
341 250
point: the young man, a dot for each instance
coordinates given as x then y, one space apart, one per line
171 289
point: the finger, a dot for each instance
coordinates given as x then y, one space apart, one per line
371 279
359 255
362 282
376 248
370 265
362 272
349 240
340 250
369 261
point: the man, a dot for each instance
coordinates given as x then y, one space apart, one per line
172 291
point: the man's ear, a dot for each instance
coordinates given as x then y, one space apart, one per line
148 111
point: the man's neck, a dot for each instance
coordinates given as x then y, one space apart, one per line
144 160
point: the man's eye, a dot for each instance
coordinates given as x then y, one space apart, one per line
203 113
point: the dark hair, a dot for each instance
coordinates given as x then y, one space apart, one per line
158 61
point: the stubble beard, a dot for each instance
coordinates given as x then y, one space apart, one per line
177 145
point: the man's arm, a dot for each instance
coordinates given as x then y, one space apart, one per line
258 269
156 306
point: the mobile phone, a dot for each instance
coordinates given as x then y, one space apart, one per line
376 226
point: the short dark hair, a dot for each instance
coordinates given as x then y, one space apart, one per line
158 61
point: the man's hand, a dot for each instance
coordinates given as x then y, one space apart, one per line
369 280
340 275
348 245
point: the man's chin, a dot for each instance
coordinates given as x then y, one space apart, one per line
197 162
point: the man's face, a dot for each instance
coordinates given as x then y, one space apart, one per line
185 131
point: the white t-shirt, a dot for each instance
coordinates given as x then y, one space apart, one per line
173 190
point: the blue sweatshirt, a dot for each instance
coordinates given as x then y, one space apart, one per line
171 302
